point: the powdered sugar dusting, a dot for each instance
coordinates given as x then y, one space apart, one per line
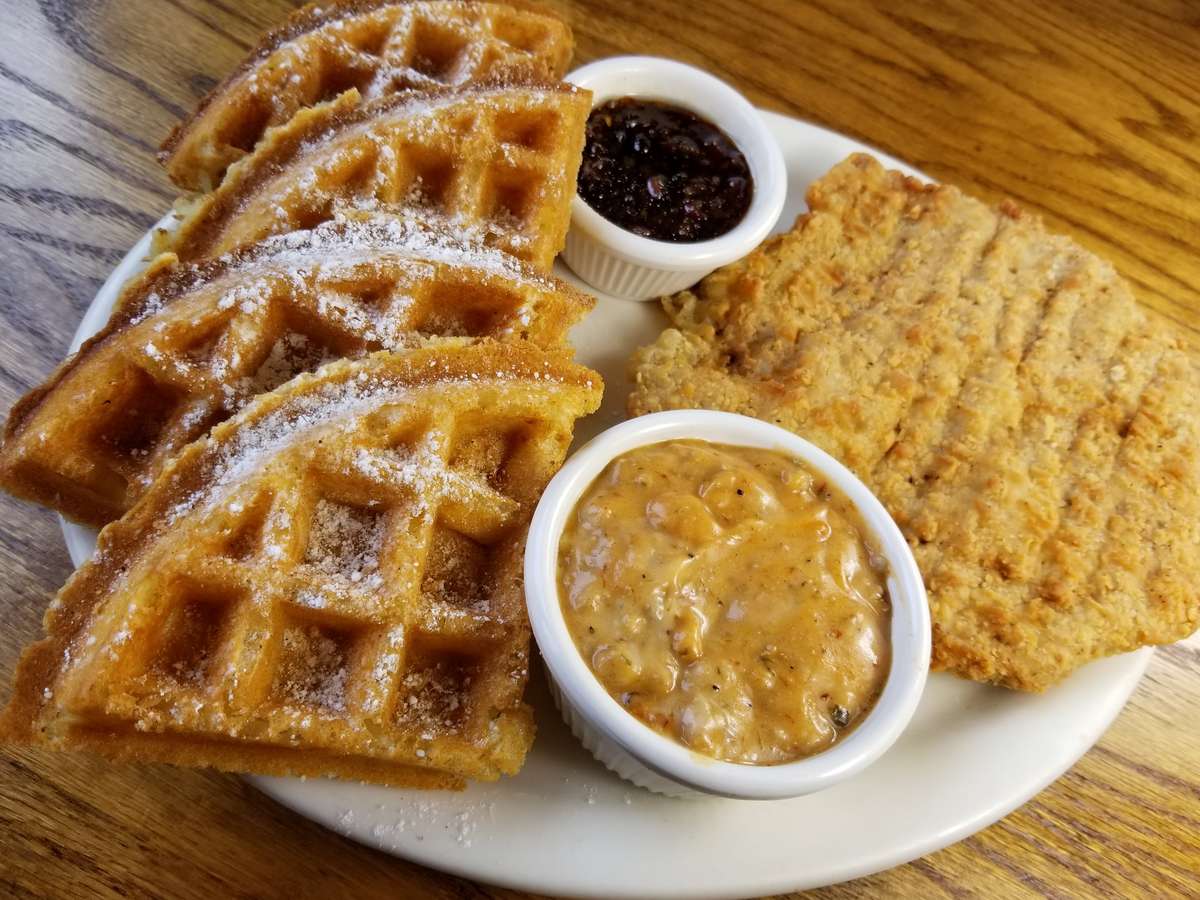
314 669
290 355
360 234
393 824
336 404
368 236
346 541
420 468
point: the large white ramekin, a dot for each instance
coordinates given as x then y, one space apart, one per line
623 264
638 753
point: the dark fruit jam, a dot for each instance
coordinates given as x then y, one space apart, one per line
663 172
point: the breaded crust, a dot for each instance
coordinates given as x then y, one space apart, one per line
1032 431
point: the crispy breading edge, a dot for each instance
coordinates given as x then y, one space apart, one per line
693 346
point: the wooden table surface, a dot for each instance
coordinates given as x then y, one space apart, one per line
1088 112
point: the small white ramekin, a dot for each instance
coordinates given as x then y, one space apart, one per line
623 264
635 751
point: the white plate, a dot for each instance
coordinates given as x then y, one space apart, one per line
567 826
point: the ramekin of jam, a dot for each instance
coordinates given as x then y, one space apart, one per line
680 175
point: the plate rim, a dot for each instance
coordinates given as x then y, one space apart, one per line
80 542
934 842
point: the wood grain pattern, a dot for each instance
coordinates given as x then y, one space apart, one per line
1088 112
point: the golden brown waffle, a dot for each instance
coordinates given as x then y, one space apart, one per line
376 46
498 161
189 344
328 584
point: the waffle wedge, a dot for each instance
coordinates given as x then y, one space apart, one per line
1033 432
377 46
327 584
189 344
499 160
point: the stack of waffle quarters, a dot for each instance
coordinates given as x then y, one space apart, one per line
315 427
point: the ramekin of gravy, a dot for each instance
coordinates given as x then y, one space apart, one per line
728 598
724 609
680 175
